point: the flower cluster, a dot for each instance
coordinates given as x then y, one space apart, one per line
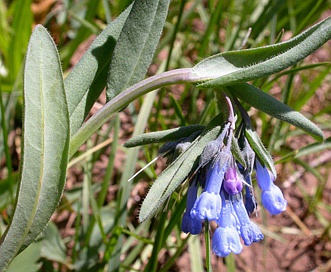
227 195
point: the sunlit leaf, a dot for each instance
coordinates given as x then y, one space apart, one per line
266 103
259 149
136 45
244 65
236 152
53 247
28 260
86 81
45 146
163 136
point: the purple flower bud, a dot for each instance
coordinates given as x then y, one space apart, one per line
273 200
264 179
249 231
225 241
189 224
232 183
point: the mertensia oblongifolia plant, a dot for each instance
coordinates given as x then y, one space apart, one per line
214 161
222 173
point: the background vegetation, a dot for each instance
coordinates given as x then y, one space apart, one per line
90 231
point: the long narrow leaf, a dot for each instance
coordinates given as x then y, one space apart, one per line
163 136
136 45
244 65
266 103
45 146
86 81
259 149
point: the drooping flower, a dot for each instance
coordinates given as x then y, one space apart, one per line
189 223
264 179
250 202
208 205
271 196
225 241
249 231
273 200
222 176
226 238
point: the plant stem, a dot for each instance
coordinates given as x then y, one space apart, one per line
183 75
207 241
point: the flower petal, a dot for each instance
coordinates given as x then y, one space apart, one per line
207 206
273 200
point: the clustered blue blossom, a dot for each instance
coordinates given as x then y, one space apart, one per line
227 195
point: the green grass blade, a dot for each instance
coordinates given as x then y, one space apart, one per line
139 38
45 147
4 30
244 65
21 31
86 81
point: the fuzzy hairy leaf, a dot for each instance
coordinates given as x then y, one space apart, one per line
266 103
45 146
259 149
244 65
88 78
236 152
136 45
163 136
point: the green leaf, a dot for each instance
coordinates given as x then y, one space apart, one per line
259 149
266 103
53 248
45 146
177 172
86 81
236 152
244 65
27 261
136 45
163 136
